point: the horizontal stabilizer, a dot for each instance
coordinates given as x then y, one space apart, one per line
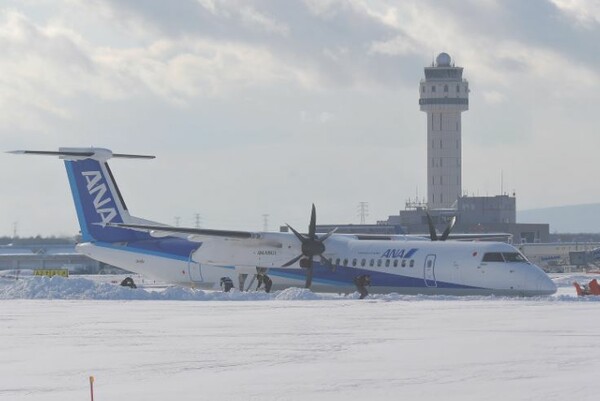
99 154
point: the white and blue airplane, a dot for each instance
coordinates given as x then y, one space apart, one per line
323 262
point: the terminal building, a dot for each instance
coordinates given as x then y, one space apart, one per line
33 256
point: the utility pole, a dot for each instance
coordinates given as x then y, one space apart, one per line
15 229
177 220
198 220
363 211
265 222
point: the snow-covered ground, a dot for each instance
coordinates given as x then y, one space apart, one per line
180 344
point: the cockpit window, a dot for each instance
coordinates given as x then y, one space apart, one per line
504 257
514 257
493 257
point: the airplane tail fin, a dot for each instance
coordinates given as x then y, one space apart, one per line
578 288
97 198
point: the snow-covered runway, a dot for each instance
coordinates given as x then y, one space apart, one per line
289 347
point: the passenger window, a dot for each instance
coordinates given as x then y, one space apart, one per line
403 262
493 257
363 262
378 262
353 262
412 263
345 262
395 262
372 262
387 263
337 261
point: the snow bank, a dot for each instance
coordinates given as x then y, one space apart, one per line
83 288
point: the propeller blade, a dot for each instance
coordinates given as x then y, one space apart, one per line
446 232
291 262
329 234
312 228
301 237
432 232
309 273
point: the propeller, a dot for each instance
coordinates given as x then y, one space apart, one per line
433 233
312 246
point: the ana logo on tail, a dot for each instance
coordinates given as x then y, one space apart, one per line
97 189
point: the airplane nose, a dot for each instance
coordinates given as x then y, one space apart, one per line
545 285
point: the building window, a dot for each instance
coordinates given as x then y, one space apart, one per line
441 144
440 121
432 180
432 162
432 144
432 198
441 198
433 88
445 88
423 88
441 180
457 88
441 164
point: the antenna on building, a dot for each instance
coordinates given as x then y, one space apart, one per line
265 222
15 229
363 211
501 182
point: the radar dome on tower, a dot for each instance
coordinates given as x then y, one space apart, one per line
443 60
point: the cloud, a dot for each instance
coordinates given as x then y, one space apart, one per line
585 12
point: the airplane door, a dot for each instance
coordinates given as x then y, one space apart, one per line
195 271
429 271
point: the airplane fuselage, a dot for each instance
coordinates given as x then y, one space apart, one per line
406 266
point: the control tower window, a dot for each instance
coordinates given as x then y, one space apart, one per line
446 88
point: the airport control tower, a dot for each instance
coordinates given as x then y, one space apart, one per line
444 95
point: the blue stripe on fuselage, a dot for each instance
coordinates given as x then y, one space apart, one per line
346 275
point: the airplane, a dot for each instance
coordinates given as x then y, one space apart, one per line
323 262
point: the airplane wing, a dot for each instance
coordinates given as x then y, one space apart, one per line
191 231
481 236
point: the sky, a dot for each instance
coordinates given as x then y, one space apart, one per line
265 107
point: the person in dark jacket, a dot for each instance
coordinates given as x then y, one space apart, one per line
226 284
266 280
362 282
